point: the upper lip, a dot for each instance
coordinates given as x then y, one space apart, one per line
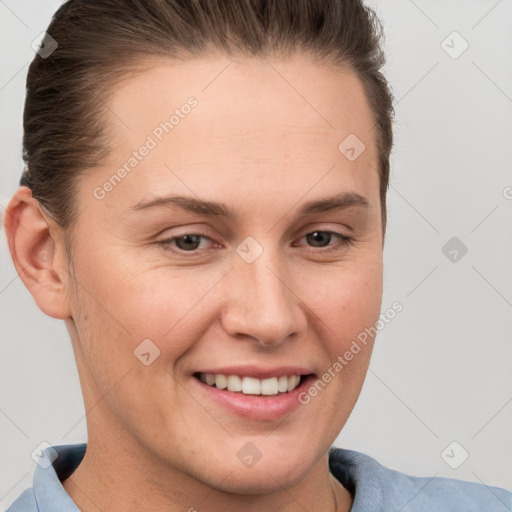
258 372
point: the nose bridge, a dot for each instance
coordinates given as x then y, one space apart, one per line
262 305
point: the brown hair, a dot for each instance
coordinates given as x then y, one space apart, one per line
99 41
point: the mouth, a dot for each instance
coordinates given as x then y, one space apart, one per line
248 385
269 398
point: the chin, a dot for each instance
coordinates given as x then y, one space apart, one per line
265 477
264 465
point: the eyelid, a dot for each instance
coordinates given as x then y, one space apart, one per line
179 231
325 227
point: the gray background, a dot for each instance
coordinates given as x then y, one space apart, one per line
441 370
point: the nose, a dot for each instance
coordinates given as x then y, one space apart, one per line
261 302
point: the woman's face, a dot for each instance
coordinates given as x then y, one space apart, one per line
245 277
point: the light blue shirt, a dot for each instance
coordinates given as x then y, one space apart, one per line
374 487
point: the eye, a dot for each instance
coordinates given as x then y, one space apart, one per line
191 242
321 239
188 242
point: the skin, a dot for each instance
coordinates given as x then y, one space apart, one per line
263 148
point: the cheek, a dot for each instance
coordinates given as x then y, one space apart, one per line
346 299
137 302
347 304
127 301
347 310
131 302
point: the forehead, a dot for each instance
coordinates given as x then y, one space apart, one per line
277 121
295 89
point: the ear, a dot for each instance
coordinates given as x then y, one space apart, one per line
39 259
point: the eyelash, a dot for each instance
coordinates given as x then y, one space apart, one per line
345 241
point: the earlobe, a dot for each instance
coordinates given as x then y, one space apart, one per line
39 259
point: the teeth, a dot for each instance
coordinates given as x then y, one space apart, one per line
282 384
269 386
251 385
221 381
293 382
234 383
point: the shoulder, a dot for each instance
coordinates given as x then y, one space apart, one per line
377 488
25 502
54 465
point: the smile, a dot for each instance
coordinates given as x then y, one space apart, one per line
253 392
251 385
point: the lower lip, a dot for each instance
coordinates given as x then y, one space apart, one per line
256 407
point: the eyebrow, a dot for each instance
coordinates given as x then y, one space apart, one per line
214 209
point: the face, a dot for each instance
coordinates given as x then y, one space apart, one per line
269 266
